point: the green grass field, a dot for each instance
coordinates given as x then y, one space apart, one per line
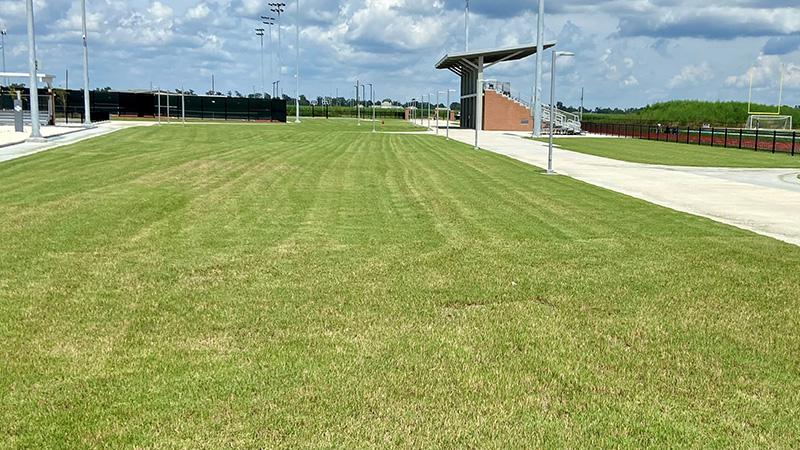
670 153
291 286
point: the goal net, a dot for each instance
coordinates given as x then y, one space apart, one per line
769 122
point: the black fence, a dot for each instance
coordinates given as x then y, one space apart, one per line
775 141
69 104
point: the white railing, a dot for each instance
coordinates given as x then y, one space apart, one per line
564 121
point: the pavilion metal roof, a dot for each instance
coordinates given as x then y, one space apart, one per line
457 61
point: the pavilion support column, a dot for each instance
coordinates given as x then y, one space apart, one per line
479 102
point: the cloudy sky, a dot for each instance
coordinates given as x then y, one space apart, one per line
629 52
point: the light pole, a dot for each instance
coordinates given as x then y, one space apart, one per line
372 99
270 21
430 95
278 9
436 111
537 85
297 68
260 34
466 28
32 69
556 55
87 120
3 33
364 93
448 112
358 107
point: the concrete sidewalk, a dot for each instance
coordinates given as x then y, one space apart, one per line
19 150
766 201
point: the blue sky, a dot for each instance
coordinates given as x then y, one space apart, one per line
629 52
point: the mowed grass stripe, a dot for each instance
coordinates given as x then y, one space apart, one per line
320 285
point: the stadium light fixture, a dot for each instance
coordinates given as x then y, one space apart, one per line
278 9
556 55
87 112
270 21
33 67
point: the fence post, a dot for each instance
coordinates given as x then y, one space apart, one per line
794 138
756 146
688 134
712 136
774 140
740 138
726 138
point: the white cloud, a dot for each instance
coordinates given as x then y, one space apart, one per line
200 11
692 75
766 74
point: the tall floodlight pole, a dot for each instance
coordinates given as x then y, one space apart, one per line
537 84
372 99
3 33
260 34
87 120
32 69
466 27
278 9
297 67
270 21
430 98
364 93
556 55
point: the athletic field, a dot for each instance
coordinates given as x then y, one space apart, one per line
318 285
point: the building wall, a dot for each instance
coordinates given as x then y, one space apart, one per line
500 113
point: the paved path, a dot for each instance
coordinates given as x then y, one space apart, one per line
28 148
766 201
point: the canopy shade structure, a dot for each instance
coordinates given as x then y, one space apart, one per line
457 61
469 66
43 78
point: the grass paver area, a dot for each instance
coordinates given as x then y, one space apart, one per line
673 154
318 285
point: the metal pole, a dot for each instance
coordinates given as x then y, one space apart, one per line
537 88
372 98
32 68
87 121
479 101
552 111
466 28
297 70
364 94
3 33
183 107
263 86
436 111
159 107
447 133
358 107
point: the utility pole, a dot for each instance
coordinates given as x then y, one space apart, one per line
33 69
87 113
537 85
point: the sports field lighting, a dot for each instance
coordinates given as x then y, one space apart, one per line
32 69
87 120
3 34
556 55
537 76
270 21
297 69
260 34
278 9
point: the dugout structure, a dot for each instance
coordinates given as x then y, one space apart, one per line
470 66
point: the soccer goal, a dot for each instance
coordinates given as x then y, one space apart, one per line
769 120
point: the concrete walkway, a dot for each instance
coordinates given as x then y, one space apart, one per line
766 201
19 150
